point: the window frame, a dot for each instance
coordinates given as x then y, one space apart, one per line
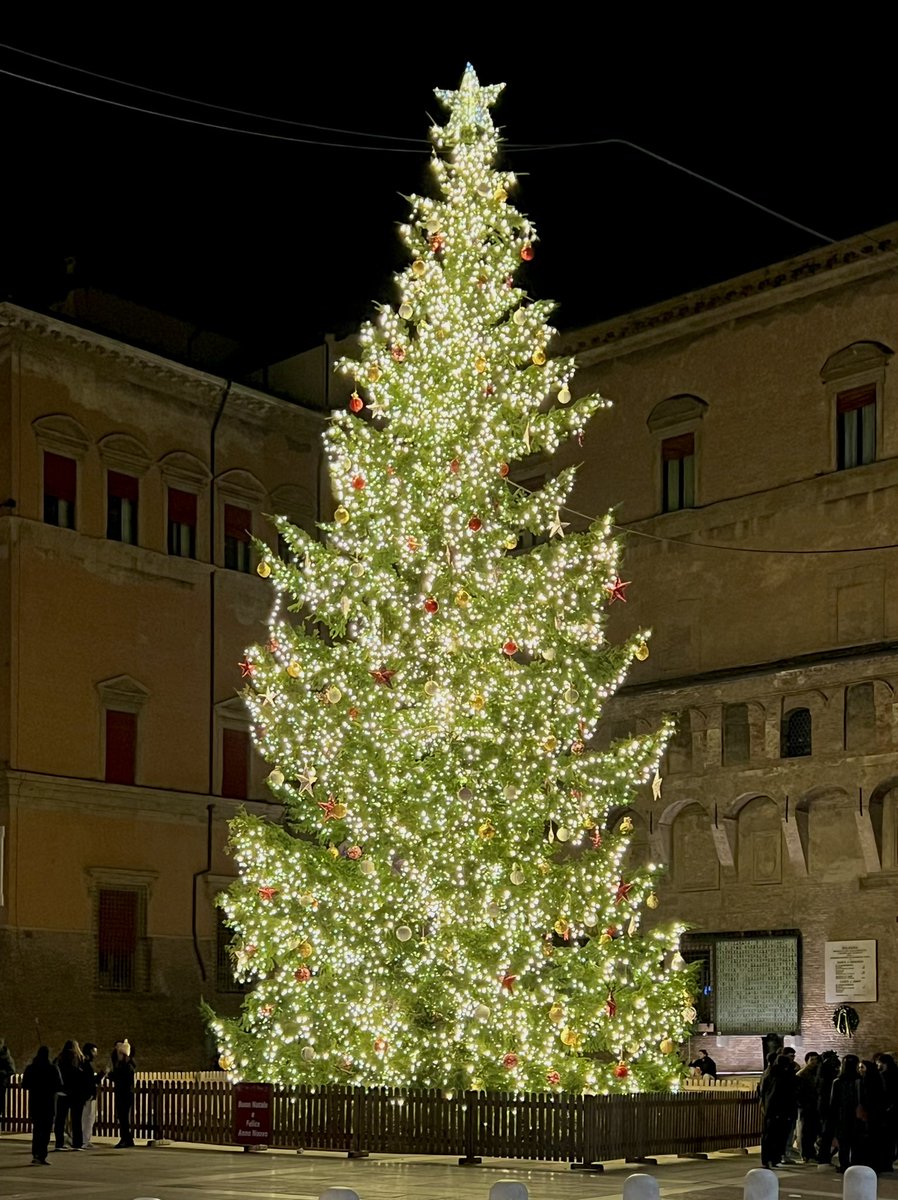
685 475
133 521
107 879
181 526
51 497
699 946
852 404
785 731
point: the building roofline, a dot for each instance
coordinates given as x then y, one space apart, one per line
856 258
28 321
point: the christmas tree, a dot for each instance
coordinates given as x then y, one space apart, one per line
444 903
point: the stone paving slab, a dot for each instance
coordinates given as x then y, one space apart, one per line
177 1172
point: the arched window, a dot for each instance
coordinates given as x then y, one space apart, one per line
736 735
675 423
860 717
854 377
795 733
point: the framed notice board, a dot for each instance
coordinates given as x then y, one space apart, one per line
758 984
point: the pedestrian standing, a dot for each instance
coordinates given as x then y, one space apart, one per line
889 1071
91 1079
43 1083
809 1120
779 1105
829 1069
843 1110
122 1073
71 1101
870 1150
7 1070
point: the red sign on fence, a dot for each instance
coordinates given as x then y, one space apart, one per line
252 1114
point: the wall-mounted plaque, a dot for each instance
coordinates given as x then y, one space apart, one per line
850 971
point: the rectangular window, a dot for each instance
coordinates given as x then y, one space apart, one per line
224 966
678 472
60 487
118 939
121 507
234 763
181 523
237 525
747 983
121 746
736 735
856 426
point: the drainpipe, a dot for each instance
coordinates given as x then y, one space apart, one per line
210 812
210 808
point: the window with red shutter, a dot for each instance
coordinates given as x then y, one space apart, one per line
856 426
181 523
121 746
237 525
60 489
678 472
234 763
121 507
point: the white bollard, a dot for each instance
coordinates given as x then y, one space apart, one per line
338 1193
859 1183
509 1189
641 1187
761 1184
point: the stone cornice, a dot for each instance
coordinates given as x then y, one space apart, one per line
855 259
255 406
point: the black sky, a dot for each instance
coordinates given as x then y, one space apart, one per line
276 243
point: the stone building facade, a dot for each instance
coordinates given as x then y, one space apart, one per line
129 487
751 460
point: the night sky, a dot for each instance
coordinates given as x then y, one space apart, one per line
276 243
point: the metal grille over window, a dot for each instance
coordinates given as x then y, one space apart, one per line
796 734
122 952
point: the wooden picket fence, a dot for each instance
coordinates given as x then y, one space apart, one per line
551 1127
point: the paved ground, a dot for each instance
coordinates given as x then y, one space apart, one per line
201 1173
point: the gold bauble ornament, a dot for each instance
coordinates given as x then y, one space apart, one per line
556 1013
225 1062
511 541
690 1015
563 834
405 310
462 598
500 195
304 949
307 898
550 744
333 851
477 701
341 516
651 900
294 670
275 777
642 651
431 687
487 831
538 357
479 365
548 654
418 267
564 395
517 876
666 1045
357 570
626 825
339 811
605 939
571 1038
403 933
333 694
373 373
519 316
367 867
263 570
571 696
562 927
590 919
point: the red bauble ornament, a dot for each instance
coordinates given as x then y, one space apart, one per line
553 1078
437 242
354 853
510 1061
302 974
356 403
358 482
431 604
510 647
454 466
475 524
353 713
397 353
380 1045
527 252
504 468
621 1071
508 982
489 390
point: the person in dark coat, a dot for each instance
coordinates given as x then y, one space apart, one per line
43 1083
870 1147
7 1070
91 1079
843 1110
809 1120
779 1106
122 1073
888 1068
71 1102
706 1064
829 1069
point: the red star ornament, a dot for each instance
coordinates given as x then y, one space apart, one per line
616 590
508 982
247 668
327 807
267 893
383 677
623 891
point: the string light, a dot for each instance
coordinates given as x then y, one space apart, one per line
445 905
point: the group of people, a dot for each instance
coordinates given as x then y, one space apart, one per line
825 1107
63 1091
